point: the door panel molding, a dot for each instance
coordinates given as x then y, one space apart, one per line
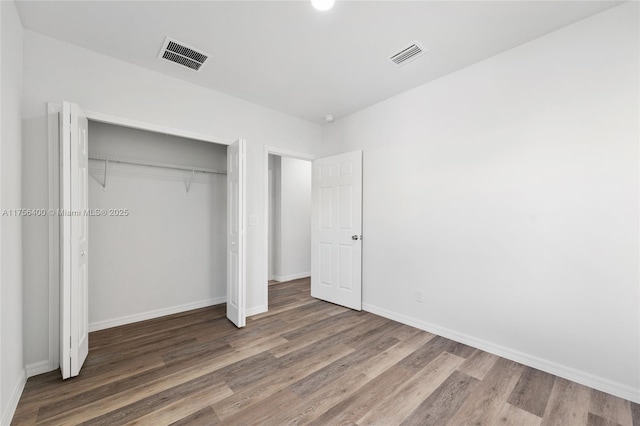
336 229
236 233
74 298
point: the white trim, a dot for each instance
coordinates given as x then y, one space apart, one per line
143 125
283 153
283 278
242 291
582 377
157 313
268 149
39 367
156 128
22 95
53 124
12 404
256 310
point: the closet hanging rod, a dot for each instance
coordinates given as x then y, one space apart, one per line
152 164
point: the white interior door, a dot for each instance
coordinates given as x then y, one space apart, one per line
236 257
74 334
336 229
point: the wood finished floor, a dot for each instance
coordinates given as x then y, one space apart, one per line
304 362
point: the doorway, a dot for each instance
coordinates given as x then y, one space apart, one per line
335 226
288 216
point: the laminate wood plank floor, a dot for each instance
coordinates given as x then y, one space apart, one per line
303 362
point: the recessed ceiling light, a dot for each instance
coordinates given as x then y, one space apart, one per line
329 118
323 4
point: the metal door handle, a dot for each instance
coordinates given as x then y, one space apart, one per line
83 253
354 237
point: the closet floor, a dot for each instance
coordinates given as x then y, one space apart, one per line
304 361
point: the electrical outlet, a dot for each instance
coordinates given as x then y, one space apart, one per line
418 296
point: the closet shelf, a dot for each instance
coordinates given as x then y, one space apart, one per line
193 170
152 164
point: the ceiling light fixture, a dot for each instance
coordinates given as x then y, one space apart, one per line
329 118
323 4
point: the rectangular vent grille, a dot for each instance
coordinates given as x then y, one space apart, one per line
407 54
183 54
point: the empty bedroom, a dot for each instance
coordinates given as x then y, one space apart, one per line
320 212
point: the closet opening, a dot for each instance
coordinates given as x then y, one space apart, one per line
160 248
152 223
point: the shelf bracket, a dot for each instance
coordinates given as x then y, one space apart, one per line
193 172
104 180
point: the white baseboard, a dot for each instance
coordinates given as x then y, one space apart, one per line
256 310
282 278
143 316
7 416
582 377
38 368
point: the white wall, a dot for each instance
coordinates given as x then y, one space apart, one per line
57 71
507 193
294 245
168 254
11 311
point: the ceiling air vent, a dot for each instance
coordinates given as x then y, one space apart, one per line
407 54
183 54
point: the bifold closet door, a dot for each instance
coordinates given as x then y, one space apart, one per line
74 295
236 256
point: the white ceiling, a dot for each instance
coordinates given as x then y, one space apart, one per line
287 56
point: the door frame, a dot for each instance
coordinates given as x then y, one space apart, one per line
273 150
53 136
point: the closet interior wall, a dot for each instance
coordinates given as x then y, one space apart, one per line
161 247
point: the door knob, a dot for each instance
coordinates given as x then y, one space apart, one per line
354 237
84 253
